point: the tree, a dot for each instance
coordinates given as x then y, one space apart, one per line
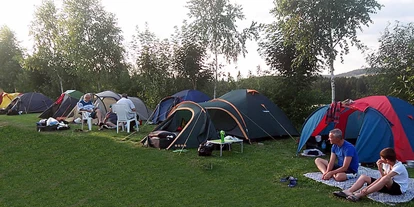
10 57
93 44
153 63
324 28
295 76
395 59
215 24
188 60
47 58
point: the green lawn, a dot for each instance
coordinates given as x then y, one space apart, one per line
102 168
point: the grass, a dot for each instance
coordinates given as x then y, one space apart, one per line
102 168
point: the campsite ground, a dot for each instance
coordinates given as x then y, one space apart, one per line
102 168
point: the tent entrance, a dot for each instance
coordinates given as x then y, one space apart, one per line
223 121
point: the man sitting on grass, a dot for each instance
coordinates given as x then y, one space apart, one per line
347 156
394 179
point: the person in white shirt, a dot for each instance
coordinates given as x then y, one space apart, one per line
394 179
124 100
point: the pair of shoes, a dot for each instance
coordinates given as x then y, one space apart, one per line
352 198
288 178
340 194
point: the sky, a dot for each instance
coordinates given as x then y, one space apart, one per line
163 15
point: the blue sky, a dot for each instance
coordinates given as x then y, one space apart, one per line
163 15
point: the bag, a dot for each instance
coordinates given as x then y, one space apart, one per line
205 149
159 139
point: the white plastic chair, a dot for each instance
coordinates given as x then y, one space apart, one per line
86 116
123 112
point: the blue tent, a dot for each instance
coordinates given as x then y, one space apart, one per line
376 122
168 103
28 103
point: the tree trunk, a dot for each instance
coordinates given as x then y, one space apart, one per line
215 81
331 68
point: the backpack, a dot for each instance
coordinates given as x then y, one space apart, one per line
205 149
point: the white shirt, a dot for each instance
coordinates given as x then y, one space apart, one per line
127 102
401 177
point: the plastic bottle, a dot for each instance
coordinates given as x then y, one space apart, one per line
222 133
323 145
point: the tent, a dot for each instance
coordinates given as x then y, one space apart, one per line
6 98
28 103
63 105
372 123
167 104
195 123
143 111
250 115
106 98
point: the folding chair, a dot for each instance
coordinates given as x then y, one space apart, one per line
124 114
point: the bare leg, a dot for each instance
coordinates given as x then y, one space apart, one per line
99 116
358 184
321 164
374 187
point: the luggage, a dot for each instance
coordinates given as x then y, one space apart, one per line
161 139
43 126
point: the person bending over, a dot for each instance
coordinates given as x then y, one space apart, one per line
394 179
345 153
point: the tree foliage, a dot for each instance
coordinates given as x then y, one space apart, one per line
296 76
153 66
324 28
395 59
215 24
189 59
10 57
77 44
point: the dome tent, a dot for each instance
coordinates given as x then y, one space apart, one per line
373 123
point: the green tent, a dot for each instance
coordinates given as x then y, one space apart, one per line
247 114
194 122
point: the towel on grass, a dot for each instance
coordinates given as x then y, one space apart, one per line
379 197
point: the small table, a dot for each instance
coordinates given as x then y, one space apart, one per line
229 142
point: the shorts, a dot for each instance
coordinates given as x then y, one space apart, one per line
348 171
395 188
93 115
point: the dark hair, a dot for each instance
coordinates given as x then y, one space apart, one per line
388 154
124 95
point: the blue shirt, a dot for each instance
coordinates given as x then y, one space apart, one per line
88 106
346 150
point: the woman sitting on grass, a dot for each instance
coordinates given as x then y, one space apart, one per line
394 179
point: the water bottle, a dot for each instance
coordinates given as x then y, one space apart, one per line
323 145
222 133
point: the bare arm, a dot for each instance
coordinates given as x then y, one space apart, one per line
331 162
345 165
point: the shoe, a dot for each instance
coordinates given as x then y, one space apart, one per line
340 194
106 126
293 183
352 198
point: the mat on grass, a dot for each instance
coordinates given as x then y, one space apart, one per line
380 197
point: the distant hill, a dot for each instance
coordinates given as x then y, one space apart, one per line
353 73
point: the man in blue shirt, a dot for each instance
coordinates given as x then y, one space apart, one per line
345 153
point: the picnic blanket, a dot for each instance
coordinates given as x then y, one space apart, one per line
379 197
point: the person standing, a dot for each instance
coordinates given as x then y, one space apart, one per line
345 153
